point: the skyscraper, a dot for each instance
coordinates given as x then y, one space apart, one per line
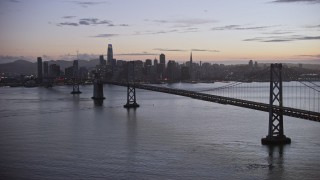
45 69
39 60
54 70
190 67
162 59
110 54
162 65
75 68
102 61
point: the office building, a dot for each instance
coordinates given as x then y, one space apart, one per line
102 61
45 69
75 68
162 65
110 54
54 70
39 61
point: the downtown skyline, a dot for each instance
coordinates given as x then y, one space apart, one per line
141 29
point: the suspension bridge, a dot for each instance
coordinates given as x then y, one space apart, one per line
301 97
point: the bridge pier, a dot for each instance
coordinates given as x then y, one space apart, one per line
131 97
97 89
275 130
131 89
75 88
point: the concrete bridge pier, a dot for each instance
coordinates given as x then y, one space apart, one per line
97 89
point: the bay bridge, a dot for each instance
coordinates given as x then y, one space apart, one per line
304 98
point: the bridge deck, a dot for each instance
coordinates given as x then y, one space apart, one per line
292 112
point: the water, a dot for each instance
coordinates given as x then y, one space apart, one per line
51 134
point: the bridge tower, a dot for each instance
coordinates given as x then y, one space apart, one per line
275 131
97 88
75 88
131 90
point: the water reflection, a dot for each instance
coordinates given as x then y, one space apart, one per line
131 143
76 99
276 160
98 102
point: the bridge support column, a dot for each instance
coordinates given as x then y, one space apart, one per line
97 89
76 89
131 97
275 131
131 90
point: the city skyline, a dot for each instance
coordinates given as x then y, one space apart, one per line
212 30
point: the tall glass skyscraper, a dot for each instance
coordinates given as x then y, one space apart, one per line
110 54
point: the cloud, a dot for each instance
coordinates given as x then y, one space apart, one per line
164 32
94 21
283 38
294 1
164 49
277 32
88 22
87 3
68 17
184 50
67 24
105 35
187 22
14 1
239 27
137 54
155 32
313 56
313 26
189 29
207 50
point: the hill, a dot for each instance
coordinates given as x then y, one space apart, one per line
27 67
19 67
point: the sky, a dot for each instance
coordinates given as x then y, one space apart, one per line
214 30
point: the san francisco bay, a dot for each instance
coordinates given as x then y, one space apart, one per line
47 133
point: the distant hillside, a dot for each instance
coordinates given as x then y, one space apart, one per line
27 67
9 59
19 67
82 63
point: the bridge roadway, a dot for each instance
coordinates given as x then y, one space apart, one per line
292 112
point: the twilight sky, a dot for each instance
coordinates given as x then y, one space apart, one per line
139 29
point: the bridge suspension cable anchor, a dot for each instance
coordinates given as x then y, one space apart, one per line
131 89
275 130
